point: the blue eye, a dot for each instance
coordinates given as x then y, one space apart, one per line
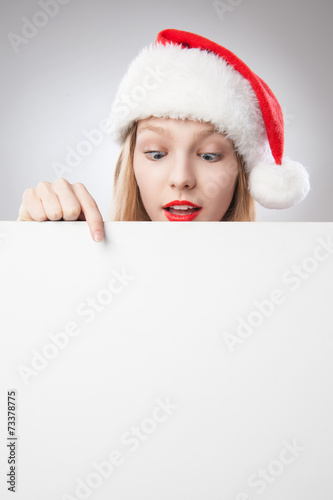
216 155
210 156
154 152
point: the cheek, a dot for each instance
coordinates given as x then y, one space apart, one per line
136 167
139 172
220 183
147 179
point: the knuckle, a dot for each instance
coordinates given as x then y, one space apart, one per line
40 218
80 186
28 193
91 205
62 181
54 214
72 212
43 185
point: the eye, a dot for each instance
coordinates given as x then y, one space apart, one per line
209 156
154 153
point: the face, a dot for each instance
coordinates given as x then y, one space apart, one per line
186 164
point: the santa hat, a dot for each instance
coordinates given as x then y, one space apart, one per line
184 75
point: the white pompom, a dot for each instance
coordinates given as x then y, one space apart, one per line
279 186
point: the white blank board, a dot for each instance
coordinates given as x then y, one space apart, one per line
173 360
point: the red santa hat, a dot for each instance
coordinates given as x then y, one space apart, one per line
184 75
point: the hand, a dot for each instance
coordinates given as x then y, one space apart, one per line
60 200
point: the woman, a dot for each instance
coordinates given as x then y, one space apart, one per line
202 139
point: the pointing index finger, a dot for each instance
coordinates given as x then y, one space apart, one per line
91 212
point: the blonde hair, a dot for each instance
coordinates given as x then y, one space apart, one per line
127 203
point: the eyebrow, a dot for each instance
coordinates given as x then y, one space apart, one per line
165 132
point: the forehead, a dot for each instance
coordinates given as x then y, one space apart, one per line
172 126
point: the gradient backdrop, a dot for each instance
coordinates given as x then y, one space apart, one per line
59 80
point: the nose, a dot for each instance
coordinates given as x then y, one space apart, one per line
182 175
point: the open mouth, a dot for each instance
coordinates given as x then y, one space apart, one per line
182 210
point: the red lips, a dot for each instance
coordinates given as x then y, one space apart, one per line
181 215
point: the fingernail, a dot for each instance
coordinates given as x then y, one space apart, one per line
98 236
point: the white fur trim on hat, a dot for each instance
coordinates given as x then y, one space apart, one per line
168 81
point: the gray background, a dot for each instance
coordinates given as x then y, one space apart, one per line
64 79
